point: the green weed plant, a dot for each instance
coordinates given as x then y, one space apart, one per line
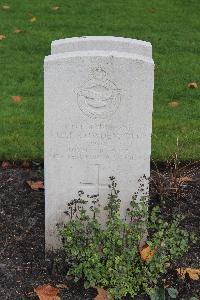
110 256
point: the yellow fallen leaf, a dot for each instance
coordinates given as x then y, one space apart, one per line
146 253
173 104
102 294
192 85
47 292
5 7
17 30
194 274
2 37
16 99
55 8
33 19
35 185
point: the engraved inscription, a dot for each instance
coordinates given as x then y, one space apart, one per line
99 97
97 142
93 182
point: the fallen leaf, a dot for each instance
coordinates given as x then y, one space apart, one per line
194 274
16 99
184 179
2 37
5 165
55 8
6 7
173 104
102 294
183 129
47 292
152 10
61 286
192 85
17 30
35 185
25 164
146 253
33 19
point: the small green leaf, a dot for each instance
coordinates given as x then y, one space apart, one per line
173 293
158 294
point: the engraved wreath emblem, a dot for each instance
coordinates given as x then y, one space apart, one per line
99 97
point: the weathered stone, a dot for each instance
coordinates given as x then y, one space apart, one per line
102 43
98 115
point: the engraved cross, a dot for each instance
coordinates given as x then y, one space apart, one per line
95 182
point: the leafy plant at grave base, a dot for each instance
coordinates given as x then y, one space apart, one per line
111 256
163 294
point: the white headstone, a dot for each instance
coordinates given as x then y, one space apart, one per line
102 43
98 115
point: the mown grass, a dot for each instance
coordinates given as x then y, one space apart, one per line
171 26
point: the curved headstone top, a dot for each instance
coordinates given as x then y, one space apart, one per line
65 56
102 43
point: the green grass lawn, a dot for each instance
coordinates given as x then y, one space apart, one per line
173 28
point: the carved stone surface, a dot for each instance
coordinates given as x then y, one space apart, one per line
104 43
98 114
99 97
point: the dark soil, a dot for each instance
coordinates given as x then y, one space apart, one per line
23 266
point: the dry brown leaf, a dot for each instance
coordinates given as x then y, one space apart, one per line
16 99
184 179
194 274
35 185
146 253
33 19
61 286
47 292
152 10
6 7
183 129
173 104
5 165
17 30
192 85
25 164
55 8
102 294
2 37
